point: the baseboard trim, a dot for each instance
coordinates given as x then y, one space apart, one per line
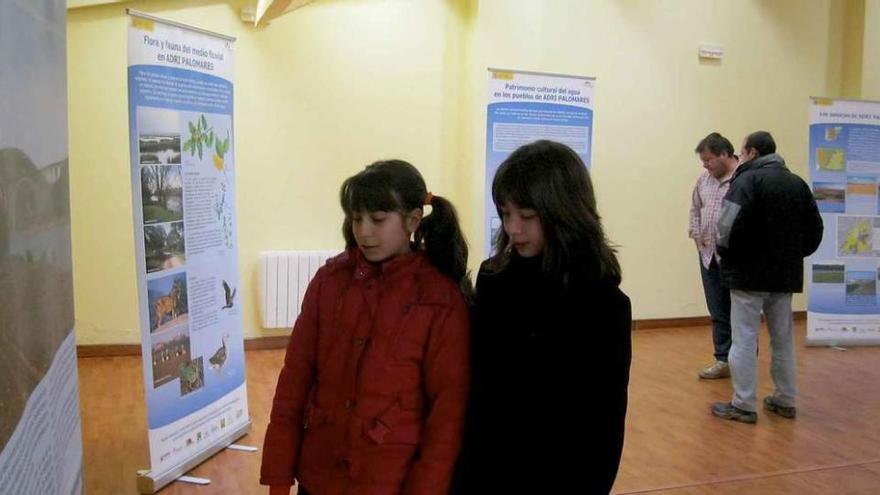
280 341
695 321
658 323
266 343
112 350
108 350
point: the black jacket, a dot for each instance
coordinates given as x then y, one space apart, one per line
768 223
549 385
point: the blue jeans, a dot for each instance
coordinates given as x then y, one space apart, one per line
718 302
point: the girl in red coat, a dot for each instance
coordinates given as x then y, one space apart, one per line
371 397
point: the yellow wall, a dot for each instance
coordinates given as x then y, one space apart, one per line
655 101
871 52
319 94
339 83
852 55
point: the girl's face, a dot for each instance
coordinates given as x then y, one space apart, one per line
524 228
382 235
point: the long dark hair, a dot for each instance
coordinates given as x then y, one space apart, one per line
397 186
550 178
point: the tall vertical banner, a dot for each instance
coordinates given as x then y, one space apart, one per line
843 306
183 192
40 433
527 106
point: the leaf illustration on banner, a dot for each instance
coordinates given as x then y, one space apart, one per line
200 136
220 149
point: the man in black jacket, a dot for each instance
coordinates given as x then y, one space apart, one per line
769 222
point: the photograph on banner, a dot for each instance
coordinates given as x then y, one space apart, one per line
861 195
827 280
158 136
164 246
844 153
170 351
167 301
524 107
192 376
162 193
830 196
861 288
828 273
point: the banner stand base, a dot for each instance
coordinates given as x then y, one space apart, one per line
149 482
243 448
842 343
194 480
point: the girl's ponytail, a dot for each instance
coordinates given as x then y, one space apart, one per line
444 243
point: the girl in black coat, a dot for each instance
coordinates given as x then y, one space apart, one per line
550 338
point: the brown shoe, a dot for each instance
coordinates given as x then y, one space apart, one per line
718 369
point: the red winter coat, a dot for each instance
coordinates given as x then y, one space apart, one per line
372 395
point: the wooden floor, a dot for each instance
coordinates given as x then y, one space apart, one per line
673 444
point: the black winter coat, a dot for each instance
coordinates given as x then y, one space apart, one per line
549 385
768 223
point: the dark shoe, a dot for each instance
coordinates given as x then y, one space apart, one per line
727 410
785 411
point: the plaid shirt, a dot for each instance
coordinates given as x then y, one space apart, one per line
706 202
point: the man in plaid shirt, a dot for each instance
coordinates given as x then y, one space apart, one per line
719 161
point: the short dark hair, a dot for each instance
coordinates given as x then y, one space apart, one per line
716 144
762 142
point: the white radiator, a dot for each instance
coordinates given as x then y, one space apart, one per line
283 279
